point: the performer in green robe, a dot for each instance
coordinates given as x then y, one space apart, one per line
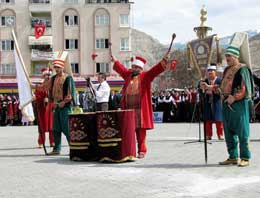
61 89
237 89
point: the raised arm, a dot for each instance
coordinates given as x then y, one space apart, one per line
156 70
119 68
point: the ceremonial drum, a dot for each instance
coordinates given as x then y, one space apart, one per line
116 135
83 136
103 135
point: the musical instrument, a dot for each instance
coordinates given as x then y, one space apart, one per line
83 135
116 135
103 136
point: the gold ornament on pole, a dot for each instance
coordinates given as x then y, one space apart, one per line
200 50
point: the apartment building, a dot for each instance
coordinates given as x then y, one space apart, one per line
82 27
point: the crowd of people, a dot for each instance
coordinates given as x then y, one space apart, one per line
177 105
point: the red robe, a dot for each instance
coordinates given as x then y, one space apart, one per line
45 117
146 78
10 111
16 109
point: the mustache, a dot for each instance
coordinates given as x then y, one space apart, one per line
135 73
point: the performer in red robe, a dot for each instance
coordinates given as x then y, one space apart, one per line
15 110
44 111
10 111
136 94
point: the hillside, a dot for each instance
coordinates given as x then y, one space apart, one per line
150 48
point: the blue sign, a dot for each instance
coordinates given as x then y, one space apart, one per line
158 117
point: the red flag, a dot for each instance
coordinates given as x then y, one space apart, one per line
93 56
173 64
39 30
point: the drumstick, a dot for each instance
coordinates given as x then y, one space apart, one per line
110 48
170 47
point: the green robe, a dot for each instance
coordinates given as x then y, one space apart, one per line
61 115
236 121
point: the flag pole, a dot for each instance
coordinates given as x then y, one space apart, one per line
28 79
20 56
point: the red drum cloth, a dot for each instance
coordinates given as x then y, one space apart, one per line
116 135
83 136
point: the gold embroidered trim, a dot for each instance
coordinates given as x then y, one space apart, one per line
108 145
110 140
78 147
128 158
229 77
79 143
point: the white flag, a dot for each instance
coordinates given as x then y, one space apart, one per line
24 89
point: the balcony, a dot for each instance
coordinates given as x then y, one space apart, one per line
42 6
107 1
43 40
37 55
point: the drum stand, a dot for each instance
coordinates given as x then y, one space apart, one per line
201 110
199 123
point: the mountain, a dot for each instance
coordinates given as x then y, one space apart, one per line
150 48
224 41
146 46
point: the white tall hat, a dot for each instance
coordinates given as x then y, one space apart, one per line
61 59
239 47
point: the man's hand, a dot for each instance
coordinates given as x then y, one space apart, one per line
230 100
32 85
113 59
204 85
61 104
167 57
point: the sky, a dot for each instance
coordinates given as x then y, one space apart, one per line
162 18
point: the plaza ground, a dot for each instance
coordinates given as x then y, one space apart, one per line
170 169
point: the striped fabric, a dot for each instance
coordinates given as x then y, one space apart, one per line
58 63
234 51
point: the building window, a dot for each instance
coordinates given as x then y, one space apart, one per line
102 19
124 20
38 67
75 68
102 67
6 1
124 44
71 20
102 43
7 21
43 21
7 69
71 1
39 1
7 45
127 63
71 44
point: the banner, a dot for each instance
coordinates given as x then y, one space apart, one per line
41 55
201 51
23 82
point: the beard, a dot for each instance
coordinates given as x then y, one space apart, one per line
135 73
